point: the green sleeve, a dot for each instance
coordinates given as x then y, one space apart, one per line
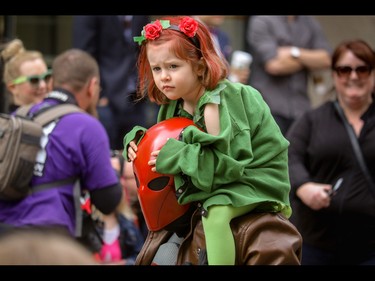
136 134
196 157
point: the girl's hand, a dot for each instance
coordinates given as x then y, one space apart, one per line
152 162
132 151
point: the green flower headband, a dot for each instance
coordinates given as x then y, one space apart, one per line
152 31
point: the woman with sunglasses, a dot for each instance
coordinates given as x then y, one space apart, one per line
26 75
333 204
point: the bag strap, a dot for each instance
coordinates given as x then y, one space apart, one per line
55 112
39 187
23 110
356 148
77 207
48 114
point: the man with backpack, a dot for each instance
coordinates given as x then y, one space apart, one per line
74 148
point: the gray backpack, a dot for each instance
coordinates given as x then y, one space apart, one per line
19 144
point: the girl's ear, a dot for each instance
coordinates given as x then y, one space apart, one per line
201 67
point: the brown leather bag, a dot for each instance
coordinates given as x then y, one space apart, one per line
261 239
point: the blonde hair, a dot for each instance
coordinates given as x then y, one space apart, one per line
11 49
14 55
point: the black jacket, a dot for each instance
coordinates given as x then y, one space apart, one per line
320 151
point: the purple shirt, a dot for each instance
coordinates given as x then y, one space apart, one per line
76 145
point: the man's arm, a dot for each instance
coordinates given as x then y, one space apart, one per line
106 199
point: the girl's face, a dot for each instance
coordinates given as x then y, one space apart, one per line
28 91
174 77
354 80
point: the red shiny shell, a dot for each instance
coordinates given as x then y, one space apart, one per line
156 192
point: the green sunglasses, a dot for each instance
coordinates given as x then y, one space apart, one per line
33 79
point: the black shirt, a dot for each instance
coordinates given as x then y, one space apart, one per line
320 151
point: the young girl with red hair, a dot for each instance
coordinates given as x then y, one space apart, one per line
236 161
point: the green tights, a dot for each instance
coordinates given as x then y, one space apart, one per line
220 244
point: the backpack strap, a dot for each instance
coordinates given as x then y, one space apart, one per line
39 187
48 114
54 112
23 110
78 209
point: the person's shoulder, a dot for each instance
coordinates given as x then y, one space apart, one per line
84 120
248 91
326 107
322 112
243 96
232 88
83 116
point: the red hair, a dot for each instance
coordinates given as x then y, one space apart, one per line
359 48
216 67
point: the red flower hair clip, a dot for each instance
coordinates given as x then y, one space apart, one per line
188 26
152 31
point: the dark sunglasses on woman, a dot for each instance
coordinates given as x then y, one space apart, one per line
362 71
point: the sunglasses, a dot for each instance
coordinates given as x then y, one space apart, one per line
33 79
362 71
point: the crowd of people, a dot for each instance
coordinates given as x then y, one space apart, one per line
281 183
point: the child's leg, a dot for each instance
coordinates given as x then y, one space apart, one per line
219 238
